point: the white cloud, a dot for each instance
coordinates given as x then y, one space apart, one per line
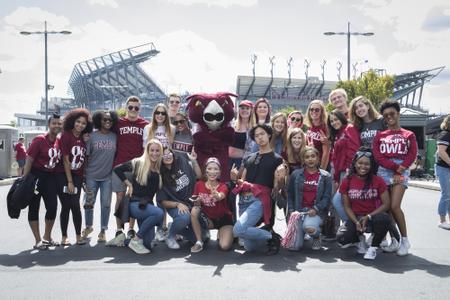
222 3
110 3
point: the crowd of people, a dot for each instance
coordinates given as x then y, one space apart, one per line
351 163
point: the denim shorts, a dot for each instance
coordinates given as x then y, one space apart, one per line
388 174
21 163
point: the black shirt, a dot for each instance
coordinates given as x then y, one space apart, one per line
139 191
261 168
443 139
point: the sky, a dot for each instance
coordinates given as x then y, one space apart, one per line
205 45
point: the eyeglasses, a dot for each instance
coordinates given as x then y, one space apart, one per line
168 155
217 117
315 109
131 107
162 113
106 120
294 119
179 122
360 154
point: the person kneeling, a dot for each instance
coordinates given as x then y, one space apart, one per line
211 210
362 193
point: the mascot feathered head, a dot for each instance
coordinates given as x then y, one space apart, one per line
211 110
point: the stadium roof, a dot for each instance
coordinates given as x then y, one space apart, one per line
107 80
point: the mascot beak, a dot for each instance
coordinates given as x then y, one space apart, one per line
213 115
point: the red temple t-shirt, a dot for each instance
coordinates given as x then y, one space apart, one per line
363 201
313 137
46 156
310 188
129 139
213 209
75 148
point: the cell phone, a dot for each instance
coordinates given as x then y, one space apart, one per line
65 190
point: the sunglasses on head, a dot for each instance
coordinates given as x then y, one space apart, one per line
294 119
217 117
131 107
162 113
179 122
360 154
315 109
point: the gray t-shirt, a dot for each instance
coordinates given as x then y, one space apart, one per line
182 142
101 149
369 130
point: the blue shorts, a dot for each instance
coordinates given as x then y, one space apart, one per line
21 163
388 174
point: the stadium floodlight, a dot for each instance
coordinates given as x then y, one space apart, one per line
47 86
348 34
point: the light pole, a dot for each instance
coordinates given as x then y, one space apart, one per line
45 33
348 34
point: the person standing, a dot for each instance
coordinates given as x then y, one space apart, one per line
43 157
129 130
174 104
101 150
317 132
338 98
21 155
442 169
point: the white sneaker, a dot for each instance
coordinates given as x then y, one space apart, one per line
384 243
198 246
369 240
393 246
361 247
172 243
371 253
118 241
160 235
404 247
444 225
138 246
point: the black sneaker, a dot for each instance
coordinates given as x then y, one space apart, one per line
118 232
274 244
131 234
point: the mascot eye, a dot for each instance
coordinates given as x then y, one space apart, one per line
217 117
199 103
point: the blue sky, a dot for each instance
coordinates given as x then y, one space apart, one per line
205 44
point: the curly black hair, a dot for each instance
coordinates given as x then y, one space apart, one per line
389 103
73 115
264 127
367 152
98 115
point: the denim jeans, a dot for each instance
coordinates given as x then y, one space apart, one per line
251 211
147 219
443 174
304 223
90 196
181 224
337 201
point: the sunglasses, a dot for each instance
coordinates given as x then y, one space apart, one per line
217 117
106 120
315 109
131 107
162 113
360 154
168 155
294 119
179 122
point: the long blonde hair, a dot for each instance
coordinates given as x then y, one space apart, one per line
251 120
357 121
323 113
142 165
283 133
154 125
292 155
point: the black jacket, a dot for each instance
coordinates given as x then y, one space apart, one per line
20 194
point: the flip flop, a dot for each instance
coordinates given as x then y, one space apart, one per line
50 243
65 243
40 246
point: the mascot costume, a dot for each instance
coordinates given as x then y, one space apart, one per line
212 113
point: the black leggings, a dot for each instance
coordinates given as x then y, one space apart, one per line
47 190
378 226
69 202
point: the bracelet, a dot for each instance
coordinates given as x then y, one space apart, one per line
369 216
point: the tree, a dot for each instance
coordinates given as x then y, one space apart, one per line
13 123
370 85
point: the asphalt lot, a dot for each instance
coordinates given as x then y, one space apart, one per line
95 272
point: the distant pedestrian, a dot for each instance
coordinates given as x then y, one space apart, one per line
443 172
21 155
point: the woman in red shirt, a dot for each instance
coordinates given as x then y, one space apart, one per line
395 149
366 201
317 133
211 210
77 122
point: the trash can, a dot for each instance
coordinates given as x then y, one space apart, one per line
8 139
431 148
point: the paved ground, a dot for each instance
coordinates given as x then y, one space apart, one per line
95 272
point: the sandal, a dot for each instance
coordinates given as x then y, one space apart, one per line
65 242
40 246
50 243
81 242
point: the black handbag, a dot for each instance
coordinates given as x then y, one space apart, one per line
123 211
